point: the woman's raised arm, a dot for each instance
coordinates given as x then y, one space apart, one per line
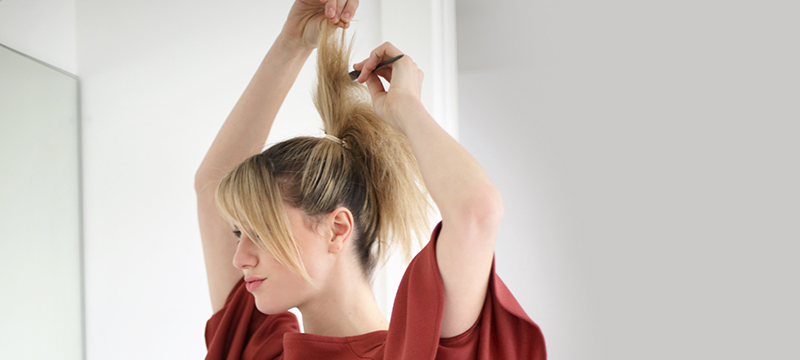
245 130
470 205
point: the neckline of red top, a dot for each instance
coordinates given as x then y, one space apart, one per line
379 334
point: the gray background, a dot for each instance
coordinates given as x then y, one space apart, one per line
647 153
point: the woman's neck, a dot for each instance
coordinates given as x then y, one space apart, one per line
347 308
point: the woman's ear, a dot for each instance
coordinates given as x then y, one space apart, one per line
342 226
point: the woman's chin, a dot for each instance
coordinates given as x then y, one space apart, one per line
271 308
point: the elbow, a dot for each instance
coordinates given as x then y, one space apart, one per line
478 220
202 182
485 210
198 182
490 212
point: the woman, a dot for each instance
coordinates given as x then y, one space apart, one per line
308 220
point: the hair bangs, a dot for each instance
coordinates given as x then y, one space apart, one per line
249 197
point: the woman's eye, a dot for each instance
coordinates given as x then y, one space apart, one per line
237 233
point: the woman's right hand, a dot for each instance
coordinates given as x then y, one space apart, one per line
405 83
306 18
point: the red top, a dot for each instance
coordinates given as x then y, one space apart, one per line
503 330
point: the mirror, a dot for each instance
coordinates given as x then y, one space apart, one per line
40 215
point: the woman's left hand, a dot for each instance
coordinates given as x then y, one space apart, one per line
404 77
306 17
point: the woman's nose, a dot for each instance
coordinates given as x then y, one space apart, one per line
244 257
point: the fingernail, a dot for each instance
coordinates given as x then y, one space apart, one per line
346 16
331 12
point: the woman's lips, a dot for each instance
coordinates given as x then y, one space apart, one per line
252 278
251 286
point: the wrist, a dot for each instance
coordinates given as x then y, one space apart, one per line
292 45
408 111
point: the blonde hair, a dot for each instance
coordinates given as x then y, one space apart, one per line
374 175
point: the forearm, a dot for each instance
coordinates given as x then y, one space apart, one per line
457 183
245 130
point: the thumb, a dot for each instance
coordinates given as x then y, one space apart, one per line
375 86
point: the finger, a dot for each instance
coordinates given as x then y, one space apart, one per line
388 50
385 72
376 67
375 86
330 11
339 7
369 65
349 10
364 70
359 65
383 52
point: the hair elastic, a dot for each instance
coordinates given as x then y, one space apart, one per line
335 139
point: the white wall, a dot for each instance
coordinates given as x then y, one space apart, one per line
41 29
158 80
647 155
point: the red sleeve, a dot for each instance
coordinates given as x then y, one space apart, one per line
503 329
240 331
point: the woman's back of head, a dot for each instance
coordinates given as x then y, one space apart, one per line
373 174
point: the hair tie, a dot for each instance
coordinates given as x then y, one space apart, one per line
335 139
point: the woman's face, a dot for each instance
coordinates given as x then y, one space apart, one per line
283 289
